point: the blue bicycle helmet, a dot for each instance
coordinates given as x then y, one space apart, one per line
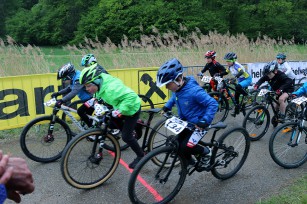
169 72
281 56
230 56
269 67
88 60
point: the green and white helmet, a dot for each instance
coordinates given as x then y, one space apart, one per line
88 60
90 74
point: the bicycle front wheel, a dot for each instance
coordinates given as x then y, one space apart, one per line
80 166
40 146
285 149
150 183
231 154
257 122
157 138
223 107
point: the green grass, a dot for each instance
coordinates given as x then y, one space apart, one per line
295 193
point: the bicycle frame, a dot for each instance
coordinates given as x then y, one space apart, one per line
226 90
67 110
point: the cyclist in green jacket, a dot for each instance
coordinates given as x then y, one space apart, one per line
126 103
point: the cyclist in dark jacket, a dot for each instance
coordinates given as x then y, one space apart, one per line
279 82
214 67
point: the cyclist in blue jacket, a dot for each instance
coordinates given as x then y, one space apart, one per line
193 103
301 91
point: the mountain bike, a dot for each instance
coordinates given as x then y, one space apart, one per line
79 154
150 183
44 138
257 120
288 143
225 97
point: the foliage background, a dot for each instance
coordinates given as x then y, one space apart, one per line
59 22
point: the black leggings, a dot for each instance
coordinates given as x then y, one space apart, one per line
83 111
186 151
238 92
127 126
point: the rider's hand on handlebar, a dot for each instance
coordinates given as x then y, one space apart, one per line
55 94
58 103
278 92
116 114
256 86
217 75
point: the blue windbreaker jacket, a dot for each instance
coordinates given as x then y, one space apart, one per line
193 103
301 91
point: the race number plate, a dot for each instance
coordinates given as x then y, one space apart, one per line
50 102
263 92
175 125
299 100
206 79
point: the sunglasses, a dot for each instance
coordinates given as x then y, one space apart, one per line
229 61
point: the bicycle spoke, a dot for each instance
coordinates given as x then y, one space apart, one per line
150 183
284 148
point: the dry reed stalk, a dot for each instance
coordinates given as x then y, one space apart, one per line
150 51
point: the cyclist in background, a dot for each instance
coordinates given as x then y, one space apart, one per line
126 104
241 74
89 60
284 66
193 103
301 91
70 76
280 83
214 67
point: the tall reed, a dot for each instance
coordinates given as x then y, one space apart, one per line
149 51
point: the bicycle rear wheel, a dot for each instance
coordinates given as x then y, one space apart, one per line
80 166
223 107
257 122
37 145
150 183
231 154
284 149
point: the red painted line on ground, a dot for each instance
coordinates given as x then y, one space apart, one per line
156 195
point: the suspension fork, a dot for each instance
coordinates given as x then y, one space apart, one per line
52 122
300 128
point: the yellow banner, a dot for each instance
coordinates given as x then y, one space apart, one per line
22 97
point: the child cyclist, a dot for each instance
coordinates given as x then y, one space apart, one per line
70 76
89 60
126 103
193 103
284 66
214 67
279 82
243 77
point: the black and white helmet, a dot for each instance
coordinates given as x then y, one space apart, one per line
67 71
269 67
